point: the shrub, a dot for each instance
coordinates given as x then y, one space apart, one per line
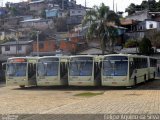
131 43
145 47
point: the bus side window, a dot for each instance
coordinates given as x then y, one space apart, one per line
100 65
61 69
29 67
135 63
34 67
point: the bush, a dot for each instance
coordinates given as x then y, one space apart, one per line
131 43
145 47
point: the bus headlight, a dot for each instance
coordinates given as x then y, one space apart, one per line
124 79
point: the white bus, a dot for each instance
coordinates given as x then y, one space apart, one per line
52 71
84 70
20 71
125 70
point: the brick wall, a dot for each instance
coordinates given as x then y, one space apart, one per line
45 46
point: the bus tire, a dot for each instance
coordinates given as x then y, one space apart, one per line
135 81
22 86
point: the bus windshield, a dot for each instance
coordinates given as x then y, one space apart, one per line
47 68
16 69
81 67
115 66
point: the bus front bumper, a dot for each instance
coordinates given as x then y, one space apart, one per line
50 81
81 81
18 81
115 81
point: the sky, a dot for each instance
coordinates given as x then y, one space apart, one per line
121 4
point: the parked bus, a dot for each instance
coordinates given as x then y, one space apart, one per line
124 70
52 71
84 70
20 71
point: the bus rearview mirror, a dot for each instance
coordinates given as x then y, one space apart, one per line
4 66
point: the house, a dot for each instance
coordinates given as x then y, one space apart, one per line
20 7
11 22
37 5
51 13
45 46
74 20
138 29
140 15
144 15
17 48
40 24
62 13
10 34
148 24
63 4
77 12
68 46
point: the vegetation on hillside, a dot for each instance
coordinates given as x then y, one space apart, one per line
145 47
151 5
101 21
131 43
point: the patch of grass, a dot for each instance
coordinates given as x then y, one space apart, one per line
88 94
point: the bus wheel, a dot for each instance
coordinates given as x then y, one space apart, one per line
135 81
22 86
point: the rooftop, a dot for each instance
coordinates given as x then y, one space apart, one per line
32 20
17 43
38 1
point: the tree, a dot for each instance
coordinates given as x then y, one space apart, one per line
145 47
154 37
150 5
43 14
61 24
101 23
131 9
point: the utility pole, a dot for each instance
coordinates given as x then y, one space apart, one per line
85 3
63 4
1 2
113 5
116 8
17 43
38 43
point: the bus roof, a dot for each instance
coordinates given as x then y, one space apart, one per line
127 55
30 59
82 56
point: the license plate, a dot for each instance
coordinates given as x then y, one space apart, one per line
15 82
114 83
79 82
